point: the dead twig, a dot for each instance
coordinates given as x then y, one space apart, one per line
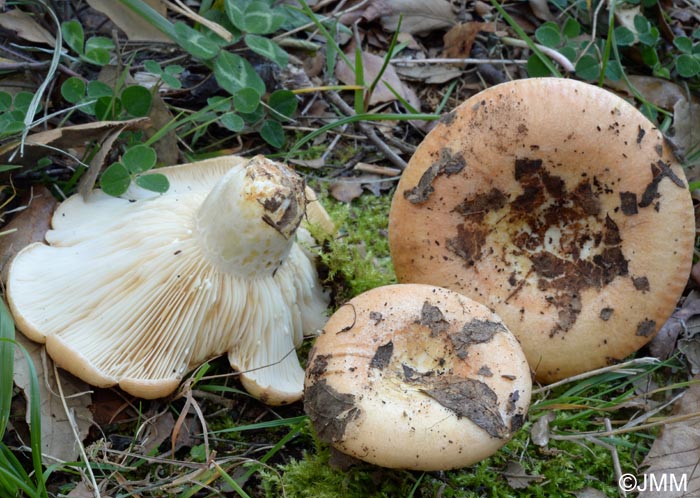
368 131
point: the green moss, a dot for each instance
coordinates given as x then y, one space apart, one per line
358 258
313 477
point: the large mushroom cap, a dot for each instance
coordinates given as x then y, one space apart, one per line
416 377
137 291
559 206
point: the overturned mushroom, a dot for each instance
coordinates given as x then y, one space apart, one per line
416 377
559 206
135 292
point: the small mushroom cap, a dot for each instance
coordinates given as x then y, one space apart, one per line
137 291
559 206
416 377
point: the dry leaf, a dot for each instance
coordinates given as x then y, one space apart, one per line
62 138
676 452
686 131
372 65
459 39
26 27
57 438
663 344
345 190
517 477
541 10
158 430
87 181
419 16
539 432
83 490
135 27
431 74
30 225
660 92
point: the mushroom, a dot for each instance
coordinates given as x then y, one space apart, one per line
559 206
413 376
137 291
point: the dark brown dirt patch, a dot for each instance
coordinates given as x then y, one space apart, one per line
330 411
382 357
471 399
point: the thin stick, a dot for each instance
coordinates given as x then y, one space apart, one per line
76 434
377 170
615 456
467 60
558 57
368 131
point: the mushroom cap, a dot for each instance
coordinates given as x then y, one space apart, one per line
416 377
559 206
130 292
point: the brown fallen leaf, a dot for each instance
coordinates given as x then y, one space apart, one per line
676 452
419 17
541 10
157 430
30 225
539 432
26 27
660 92
62 138
84 490
430 74
663 345
686 132
372 65
459 40
134 26
57 439
87 181
345 190
517 477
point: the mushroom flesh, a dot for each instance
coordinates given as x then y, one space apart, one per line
559 206
416 377
137 291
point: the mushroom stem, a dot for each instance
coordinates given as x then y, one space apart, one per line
246 225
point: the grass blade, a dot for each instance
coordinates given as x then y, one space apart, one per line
48 79
152 16
265 425
359 81
35 423
385 64
7 360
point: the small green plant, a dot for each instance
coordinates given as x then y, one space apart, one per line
136 162
168 74
12 112
105 103
250 23
96 50
588 56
